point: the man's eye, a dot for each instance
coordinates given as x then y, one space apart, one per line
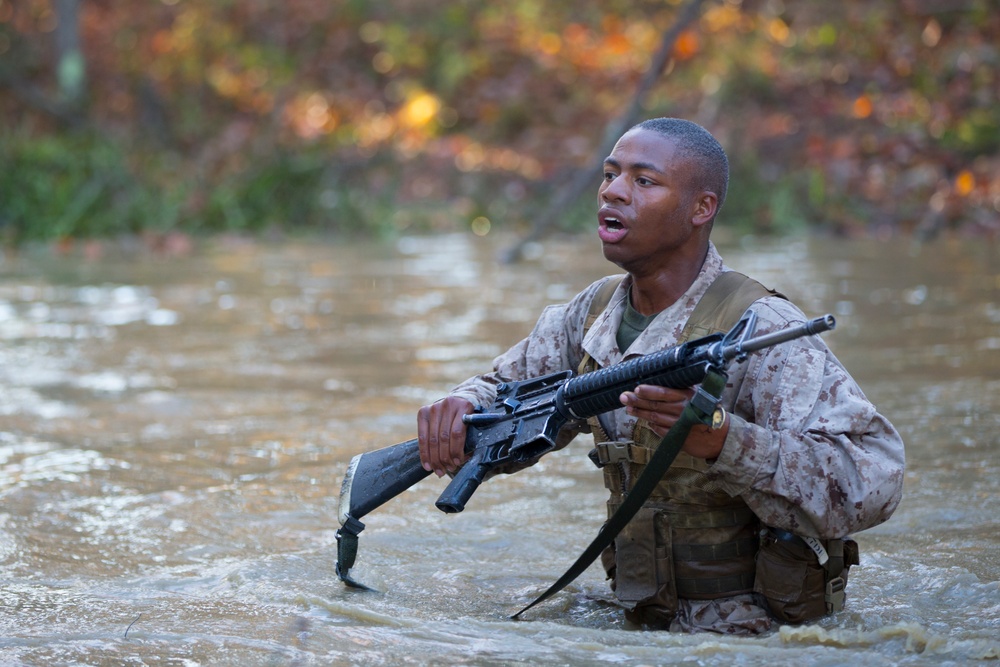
609 176
642 180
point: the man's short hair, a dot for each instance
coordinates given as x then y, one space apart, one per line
696 142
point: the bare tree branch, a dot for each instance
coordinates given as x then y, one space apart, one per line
67 104
71 69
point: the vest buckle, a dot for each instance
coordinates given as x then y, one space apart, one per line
605 453
835 595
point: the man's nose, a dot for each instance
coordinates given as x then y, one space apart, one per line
616 190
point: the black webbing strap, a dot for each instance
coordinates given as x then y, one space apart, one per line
697 411
347 551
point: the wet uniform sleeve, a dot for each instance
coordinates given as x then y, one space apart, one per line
806 449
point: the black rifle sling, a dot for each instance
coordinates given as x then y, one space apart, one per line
347 551
725 301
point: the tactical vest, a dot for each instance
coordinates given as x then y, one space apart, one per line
691 539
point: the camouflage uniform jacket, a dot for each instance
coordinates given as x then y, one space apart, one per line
806 450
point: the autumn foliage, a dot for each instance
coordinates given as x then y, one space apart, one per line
855 117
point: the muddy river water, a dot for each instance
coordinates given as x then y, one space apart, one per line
173 433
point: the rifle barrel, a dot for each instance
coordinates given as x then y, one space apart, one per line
814 326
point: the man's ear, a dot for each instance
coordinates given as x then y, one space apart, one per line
706 204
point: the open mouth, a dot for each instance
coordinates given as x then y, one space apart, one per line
612 229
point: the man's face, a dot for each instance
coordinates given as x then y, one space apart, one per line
646 202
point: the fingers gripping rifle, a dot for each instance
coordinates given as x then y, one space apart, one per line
524 421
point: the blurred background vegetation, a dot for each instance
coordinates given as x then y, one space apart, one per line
356 118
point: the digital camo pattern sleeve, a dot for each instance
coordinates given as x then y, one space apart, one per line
806 449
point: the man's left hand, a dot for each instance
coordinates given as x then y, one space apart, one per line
662 407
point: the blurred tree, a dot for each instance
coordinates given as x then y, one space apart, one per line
857 117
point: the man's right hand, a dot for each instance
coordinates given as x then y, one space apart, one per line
441 434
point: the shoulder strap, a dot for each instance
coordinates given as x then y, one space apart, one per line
597 306
719 309
601 300
725 301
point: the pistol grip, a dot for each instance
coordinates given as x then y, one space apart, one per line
462 486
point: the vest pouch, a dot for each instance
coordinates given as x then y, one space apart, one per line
640 565
793 582
636 560
791 579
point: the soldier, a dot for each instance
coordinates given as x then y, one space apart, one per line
749 523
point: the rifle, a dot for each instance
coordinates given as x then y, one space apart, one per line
525 418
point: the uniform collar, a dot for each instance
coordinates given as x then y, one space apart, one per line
663 331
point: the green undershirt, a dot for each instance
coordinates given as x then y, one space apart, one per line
633 324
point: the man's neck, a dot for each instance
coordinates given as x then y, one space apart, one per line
654 292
